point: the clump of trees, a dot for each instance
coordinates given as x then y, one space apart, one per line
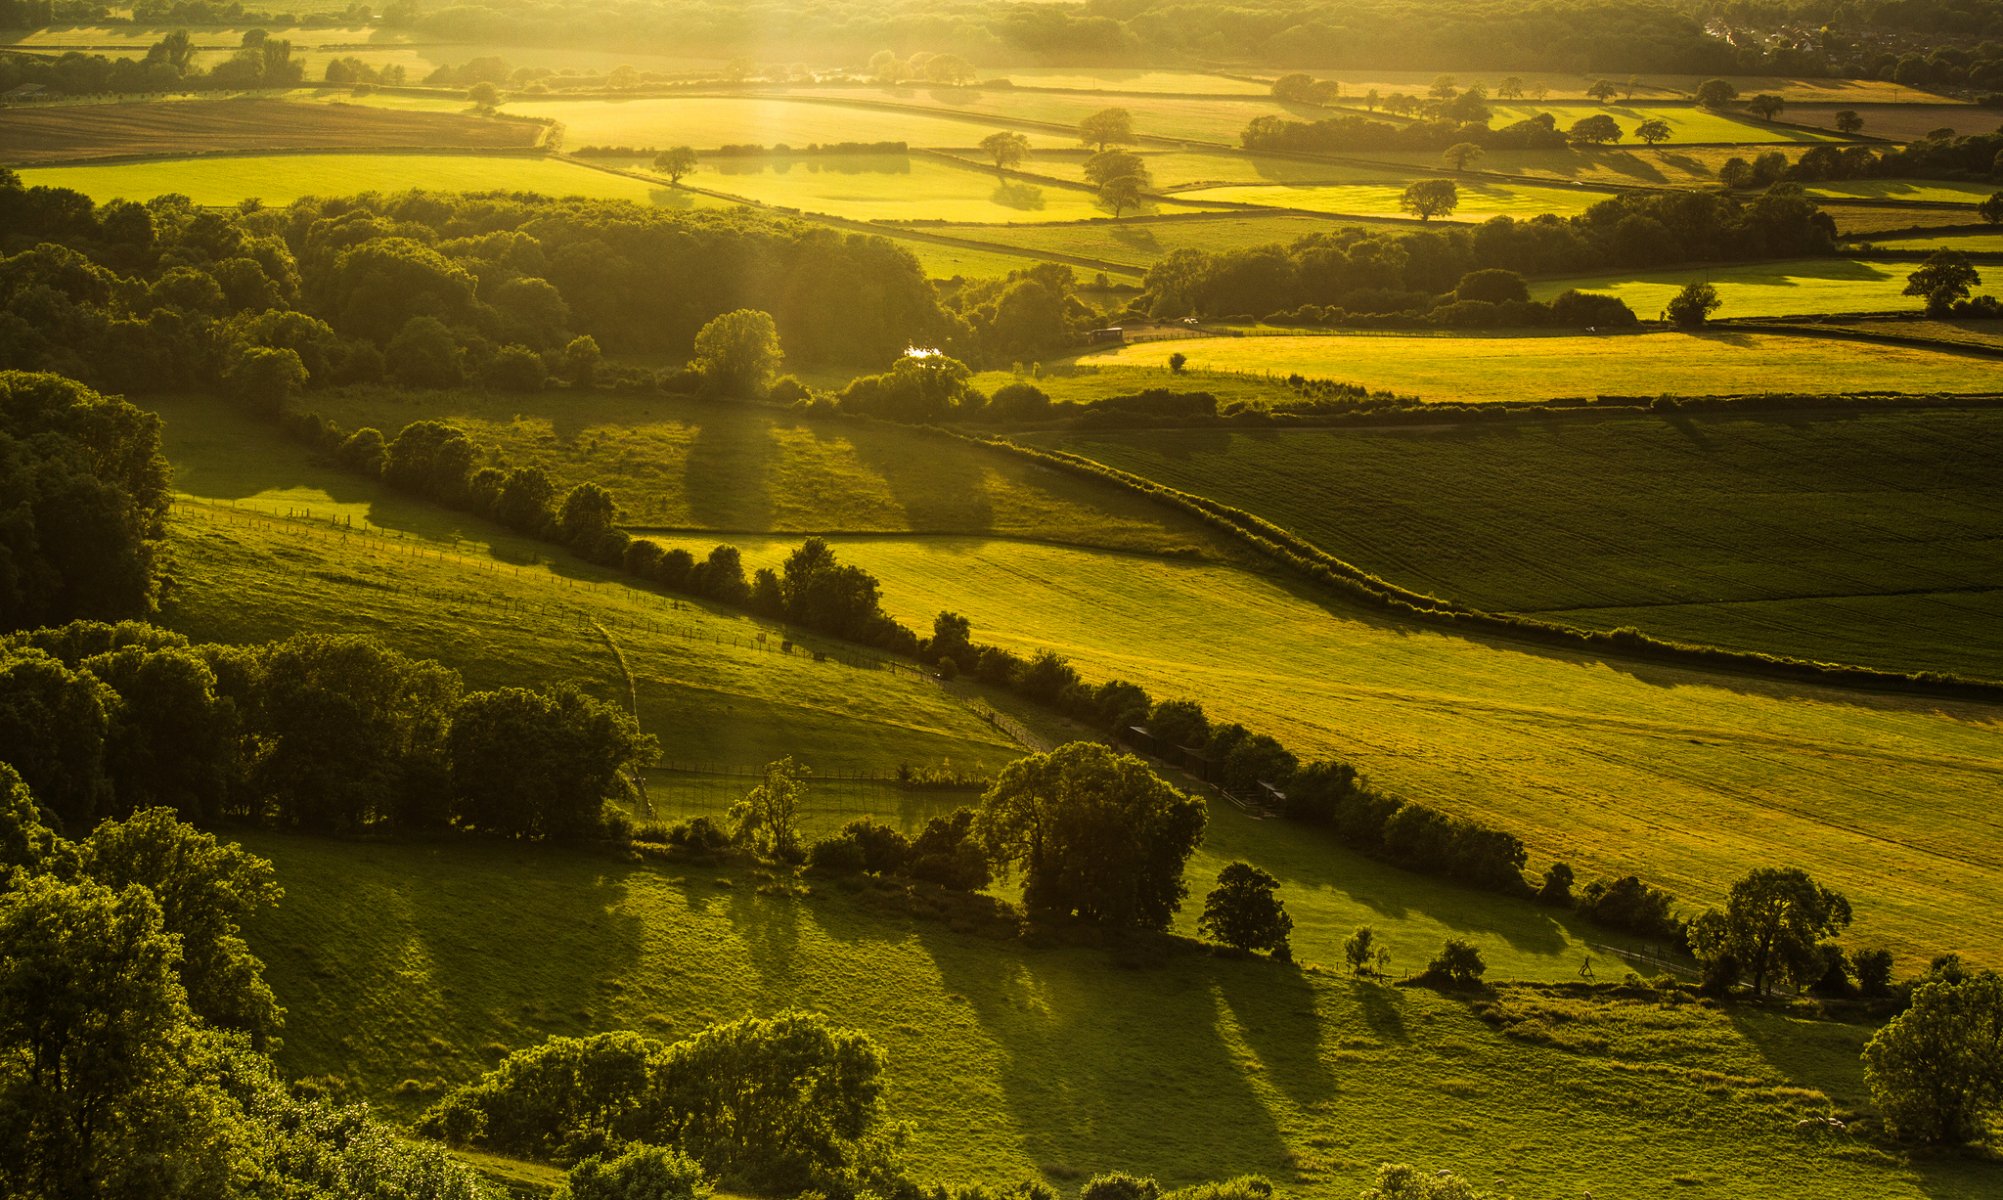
317 732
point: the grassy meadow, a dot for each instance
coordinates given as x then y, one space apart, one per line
1850 539
1688 777
1797 287
1479 198
1057 1061
687 464
276 179
1501 367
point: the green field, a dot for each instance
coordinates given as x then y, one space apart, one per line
1687 777
896 187
1140 243
282 178
693 464
708 122
1480 198
1687 122
1917 191
712 684
1862 539
1055 1061
1484 369
1799 287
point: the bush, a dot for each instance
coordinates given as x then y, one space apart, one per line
1458 964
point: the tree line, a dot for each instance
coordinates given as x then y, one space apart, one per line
318 732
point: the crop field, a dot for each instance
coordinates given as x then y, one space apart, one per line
708 122
1480 198
282 178
1053 1062
1750 558
1140 243
1899 122
1196 119
31 135
1796 287
692 464
1482 369
1613 767
896 187
1687 122
711 683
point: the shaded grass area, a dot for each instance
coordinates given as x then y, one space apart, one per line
1866 538
727 466
1499 367
1778 289
1688 777
711 684
1010 1060
282 178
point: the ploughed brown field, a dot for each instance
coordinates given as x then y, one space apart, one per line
82 131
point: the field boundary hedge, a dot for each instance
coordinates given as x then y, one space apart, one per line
1353 583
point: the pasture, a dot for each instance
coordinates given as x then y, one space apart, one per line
1688 777
1797 287
280 179
896 187
690 464
1497 367
1057 1062
707 122
76 131
1687 122
1899 122
1480 198
1140 243
1850 539
712 683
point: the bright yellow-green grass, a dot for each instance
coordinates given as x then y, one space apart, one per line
693 464
1218 120
1140 243
1480 198
1687 777
1798 287
1967 243
1863 538
1060 1061
283 178
1687 122
707 122
897 187
1478 369
711 684
1921 191
1113 79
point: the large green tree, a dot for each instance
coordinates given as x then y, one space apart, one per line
1094 833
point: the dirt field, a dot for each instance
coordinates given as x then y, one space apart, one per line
84 131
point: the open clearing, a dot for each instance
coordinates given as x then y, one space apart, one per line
282 178
1011 1061
895 187
1862 538
30 135
1480 198
1796 287
1478 369
707 122
1687 777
